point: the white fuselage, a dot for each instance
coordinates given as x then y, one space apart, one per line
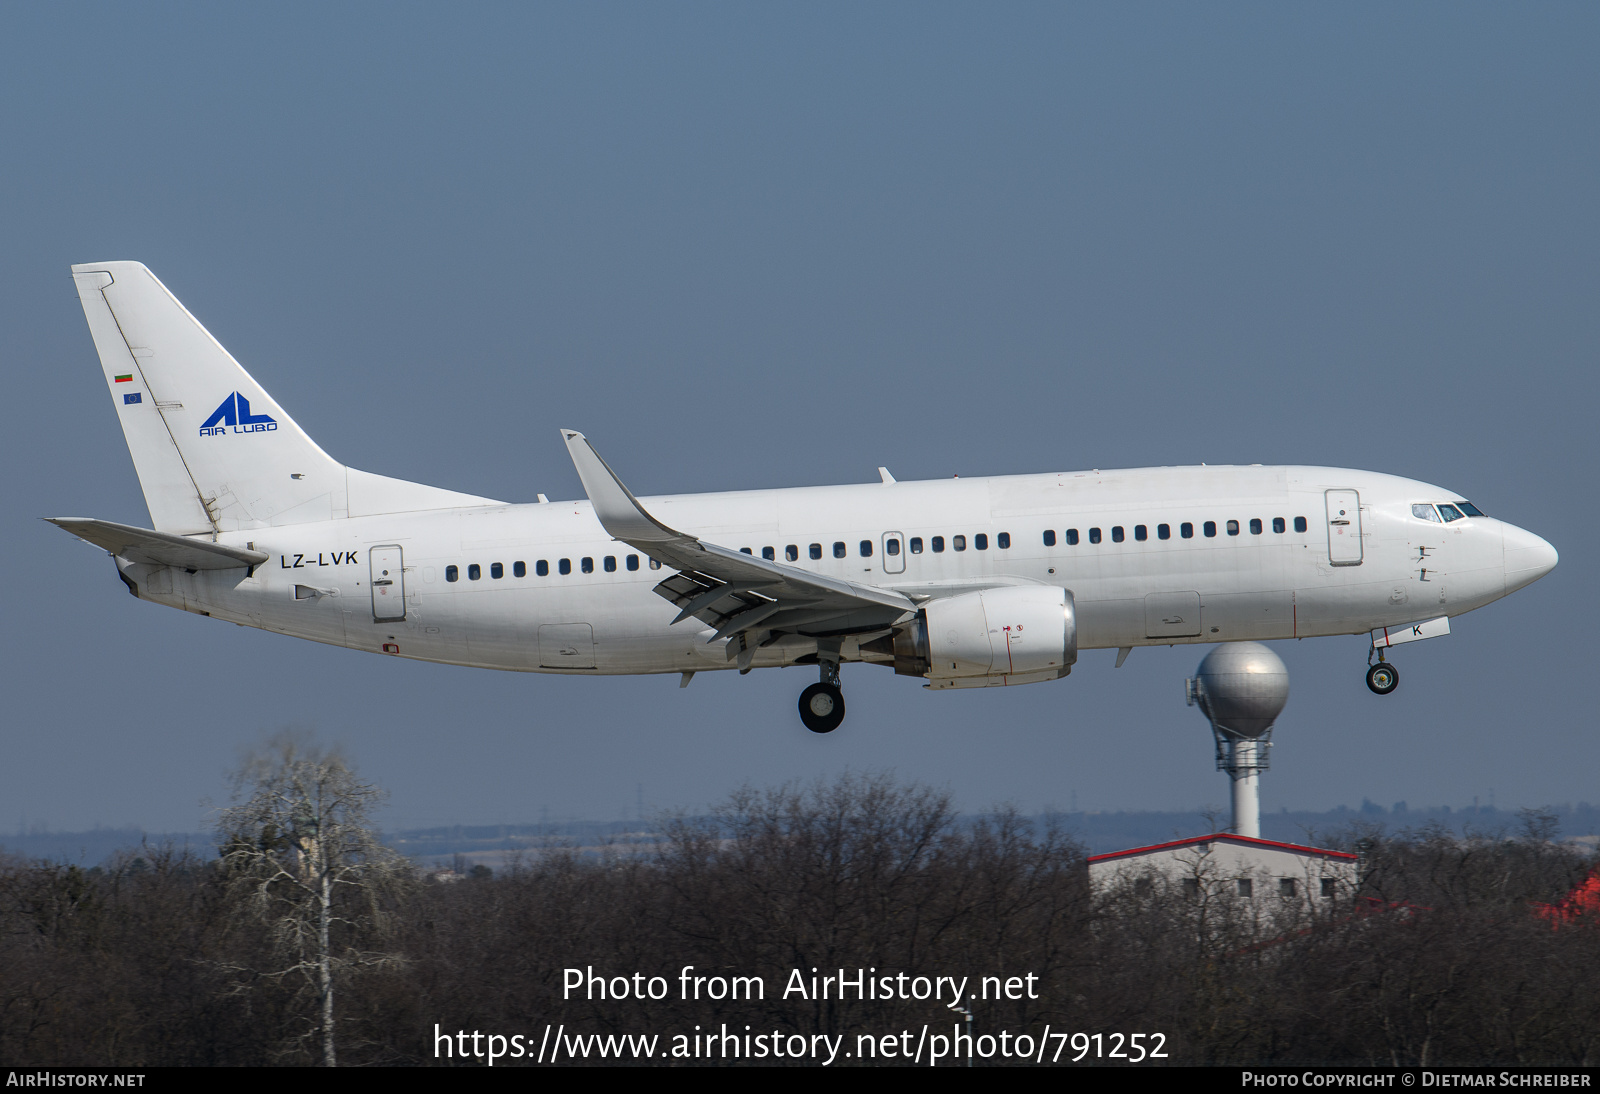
1131 587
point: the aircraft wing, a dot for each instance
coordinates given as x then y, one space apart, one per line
748 600
158 548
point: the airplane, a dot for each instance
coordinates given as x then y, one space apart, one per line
962 583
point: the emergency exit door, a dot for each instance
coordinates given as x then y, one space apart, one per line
388 584
894 553
1344 528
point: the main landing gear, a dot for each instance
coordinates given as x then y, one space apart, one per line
1383 677
822 704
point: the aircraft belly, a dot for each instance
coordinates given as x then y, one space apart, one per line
1106 624
623 628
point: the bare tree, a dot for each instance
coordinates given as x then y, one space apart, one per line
303 858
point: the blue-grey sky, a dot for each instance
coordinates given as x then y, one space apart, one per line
771 245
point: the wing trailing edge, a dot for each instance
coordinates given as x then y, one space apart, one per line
748 601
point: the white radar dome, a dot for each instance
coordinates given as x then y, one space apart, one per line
1242 687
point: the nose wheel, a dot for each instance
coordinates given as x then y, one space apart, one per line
1383 678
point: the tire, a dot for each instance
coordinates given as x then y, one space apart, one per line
1383 678
821 708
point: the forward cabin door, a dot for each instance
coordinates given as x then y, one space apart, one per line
1344 528
388 584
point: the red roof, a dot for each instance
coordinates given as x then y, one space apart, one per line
1225 837
1582 904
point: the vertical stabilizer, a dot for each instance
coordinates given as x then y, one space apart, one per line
214 452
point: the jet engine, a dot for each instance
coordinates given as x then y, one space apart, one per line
1016 634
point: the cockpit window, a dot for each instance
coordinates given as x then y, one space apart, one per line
1468 508
1450 513
1424 512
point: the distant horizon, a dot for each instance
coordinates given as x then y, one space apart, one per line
1098 830
1367 806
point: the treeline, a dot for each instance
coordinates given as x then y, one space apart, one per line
157 960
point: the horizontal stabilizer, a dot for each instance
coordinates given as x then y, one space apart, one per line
157 548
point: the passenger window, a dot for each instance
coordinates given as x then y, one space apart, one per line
610 564
1072 537
1255 526
1450 513
891 547
542 568
588 565
1210 528
1049 537
839 549
980 541
916 545
938 545
1233 527
769 554
519 569
816 550
1278 525
452 574
1094 535
1186 530
1116 533
792 552
1163 531
866 548
496 571
1141 533
959 542
1003 541
565 566
1299 524
654 565
746 551
474 572
633 562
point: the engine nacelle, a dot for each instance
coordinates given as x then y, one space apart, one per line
1012 635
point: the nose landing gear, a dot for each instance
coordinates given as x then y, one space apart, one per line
822 704
1383 677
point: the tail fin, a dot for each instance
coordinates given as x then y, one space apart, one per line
214 452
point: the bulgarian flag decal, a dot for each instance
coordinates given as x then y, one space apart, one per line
125 378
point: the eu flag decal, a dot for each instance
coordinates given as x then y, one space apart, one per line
132 397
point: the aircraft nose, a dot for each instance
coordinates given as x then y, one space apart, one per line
1528 558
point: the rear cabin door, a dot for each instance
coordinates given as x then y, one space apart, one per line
388 584
1344 528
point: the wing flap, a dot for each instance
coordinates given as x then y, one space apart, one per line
734 593
158 548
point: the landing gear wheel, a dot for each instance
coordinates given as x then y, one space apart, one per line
1383 678
822 708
